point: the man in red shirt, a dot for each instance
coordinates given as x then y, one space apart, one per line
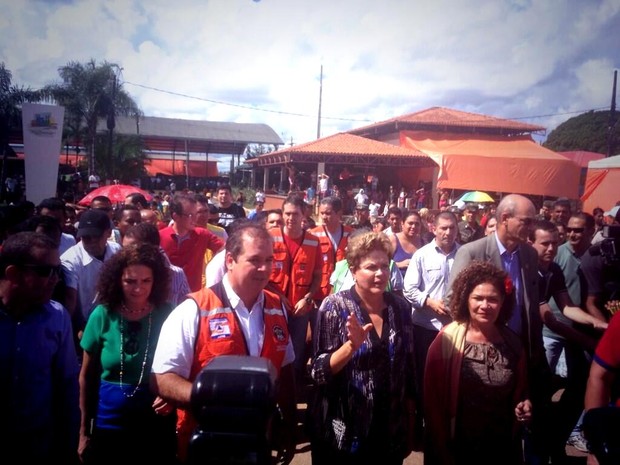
184 243
602 401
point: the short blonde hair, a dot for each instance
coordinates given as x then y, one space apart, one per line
360 245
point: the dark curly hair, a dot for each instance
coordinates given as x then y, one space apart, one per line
110 286
476 273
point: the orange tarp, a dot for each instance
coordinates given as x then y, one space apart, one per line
197 168
514 164
62 159
581 157
177 168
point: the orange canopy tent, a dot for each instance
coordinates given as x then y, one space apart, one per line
582 157
602 184
514 164
63 159
177 167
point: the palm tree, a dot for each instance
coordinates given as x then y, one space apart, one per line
90 92
11 98
128 161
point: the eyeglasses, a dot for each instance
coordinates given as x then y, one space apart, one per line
575 230
44 271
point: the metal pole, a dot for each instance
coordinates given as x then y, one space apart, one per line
318 127
186 165
611 129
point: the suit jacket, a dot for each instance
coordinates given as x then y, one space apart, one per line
486 249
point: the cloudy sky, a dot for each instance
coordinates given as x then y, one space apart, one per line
539 61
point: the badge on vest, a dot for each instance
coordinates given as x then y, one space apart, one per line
219 328
278 333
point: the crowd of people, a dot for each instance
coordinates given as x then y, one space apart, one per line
444 331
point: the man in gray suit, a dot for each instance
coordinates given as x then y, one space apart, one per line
507 249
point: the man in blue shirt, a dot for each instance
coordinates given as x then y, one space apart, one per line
38 364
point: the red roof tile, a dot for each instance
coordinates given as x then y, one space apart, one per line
443 118
349 144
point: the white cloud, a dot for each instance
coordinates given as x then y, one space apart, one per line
515 58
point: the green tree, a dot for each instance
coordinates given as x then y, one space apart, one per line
128 161
256 150
11 99
91 92
588 132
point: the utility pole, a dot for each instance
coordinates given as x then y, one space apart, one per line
611 128
111 120
111 123
318 127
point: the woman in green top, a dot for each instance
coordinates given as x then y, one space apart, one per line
122 421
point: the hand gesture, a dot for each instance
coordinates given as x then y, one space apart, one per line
356 332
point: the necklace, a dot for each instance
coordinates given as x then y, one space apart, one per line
128 311
146 354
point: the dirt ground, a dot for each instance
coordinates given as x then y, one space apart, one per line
302 455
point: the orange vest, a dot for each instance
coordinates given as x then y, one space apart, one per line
330 256
219 333
293 275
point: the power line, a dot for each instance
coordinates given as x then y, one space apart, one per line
246 107
559 114
303 115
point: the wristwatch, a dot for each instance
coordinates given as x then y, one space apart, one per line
308 300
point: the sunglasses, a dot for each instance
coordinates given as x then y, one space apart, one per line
44 271
575 230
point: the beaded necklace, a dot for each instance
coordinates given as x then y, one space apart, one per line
146 354
128 311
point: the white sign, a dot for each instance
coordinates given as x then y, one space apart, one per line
42 144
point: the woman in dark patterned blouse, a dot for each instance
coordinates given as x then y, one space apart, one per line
361 404
474 384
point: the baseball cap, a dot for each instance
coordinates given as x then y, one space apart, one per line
613 212
93 222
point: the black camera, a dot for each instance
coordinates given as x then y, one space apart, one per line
234 402
609 247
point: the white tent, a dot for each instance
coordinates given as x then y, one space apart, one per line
602 188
